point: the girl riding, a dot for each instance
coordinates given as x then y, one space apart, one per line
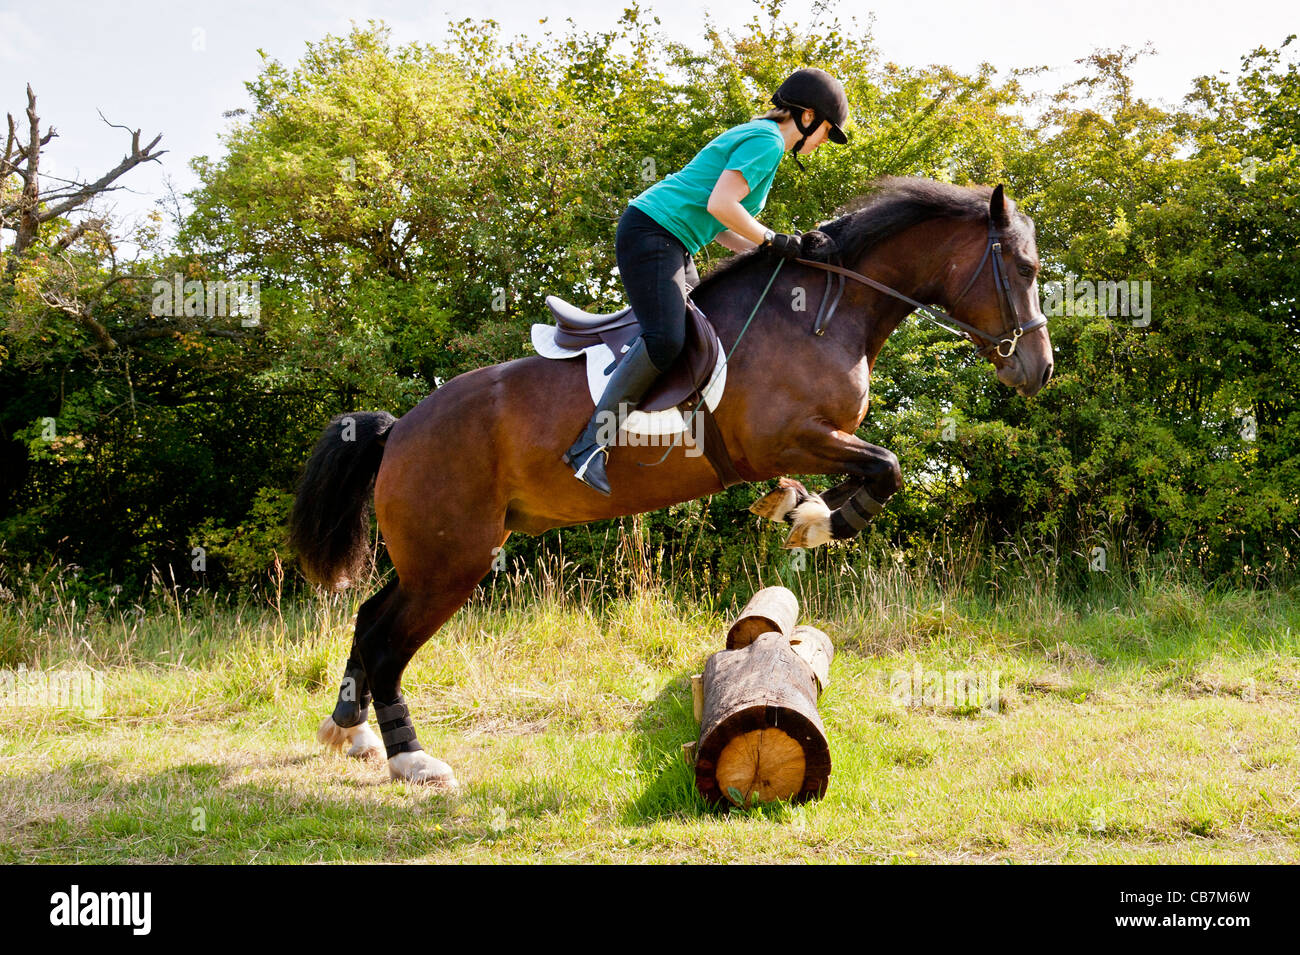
715 196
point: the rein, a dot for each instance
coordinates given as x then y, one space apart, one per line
1011 332
1012 329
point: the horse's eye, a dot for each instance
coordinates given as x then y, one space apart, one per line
1026 271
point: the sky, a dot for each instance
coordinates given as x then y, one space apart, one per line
175 67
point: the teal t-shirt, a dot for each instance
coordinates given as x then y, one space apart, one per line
679 202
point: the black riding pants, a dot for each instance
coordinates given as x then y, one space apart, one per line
657 272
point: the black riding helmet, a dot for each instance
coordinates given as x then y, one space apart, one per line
820 92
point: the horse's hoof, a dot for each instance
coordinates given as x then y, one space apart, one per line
420 767
777 504
359 742
812 524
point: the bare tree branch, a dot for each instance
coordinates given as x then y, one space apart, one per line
8 165
88 297
28 222
81 196
25 161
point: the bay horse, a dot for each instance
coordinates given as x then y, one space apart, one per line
480 457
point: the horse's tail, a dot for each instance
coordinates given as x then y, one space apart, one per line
330 525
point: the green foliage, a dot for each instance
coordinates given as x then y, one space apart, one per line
254 549
406 210
1185 428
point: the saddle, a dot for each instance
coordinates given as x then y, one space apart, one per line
680 386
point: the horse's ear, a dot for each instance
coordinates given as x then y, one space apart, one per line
998 206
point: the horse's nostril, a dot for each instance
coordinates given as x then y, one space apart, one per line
1047 373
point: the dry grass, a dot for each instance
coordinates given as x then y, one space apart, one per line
1150 721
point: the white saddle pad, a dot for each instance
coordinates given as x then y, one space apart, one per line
668 421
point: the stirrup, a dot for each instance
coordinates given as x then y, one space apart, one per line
581 472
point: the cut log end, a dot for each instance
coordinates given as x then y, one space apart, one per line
763 753
761 766
761 737
770 609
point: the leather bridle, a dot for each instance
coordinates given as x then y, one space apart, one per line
1012 327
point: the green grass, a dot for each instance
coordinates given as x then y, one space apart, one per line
1142 720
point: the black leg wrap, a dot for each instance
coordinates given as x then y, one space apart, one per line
835 497
353 706
840 528
855 514
396 729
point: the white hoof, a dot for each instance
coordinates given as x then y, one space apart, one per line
359 742
420 767
812 524
775 505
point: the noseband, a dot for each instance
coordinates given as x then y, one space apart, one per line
1012 327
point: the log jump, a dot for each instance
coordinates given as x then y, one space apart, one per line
761 736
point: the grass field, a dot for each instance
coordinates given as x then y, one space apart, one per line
1145 721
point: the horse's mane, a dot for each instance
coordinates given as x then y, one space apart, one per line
892 204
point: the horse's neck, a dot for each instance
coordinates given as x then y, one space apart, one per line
905 263
862 321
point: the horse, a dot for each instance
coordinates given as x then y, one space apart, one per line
479 458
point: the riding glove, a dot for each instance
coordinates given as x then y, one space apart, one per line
786 246
817 246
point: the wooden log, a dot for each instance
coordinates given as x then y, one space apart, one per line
815 649
772 608
761 737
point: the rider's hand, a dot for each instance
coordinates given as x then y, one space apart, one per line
786 246
817 246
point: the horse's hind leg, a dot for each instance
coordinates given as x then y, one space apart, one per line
417 608
346 728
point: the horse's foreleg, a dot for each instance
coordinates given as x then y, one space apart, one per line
843 511
777 504
852 507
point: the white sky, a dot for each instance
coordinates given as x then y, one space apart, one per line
137 61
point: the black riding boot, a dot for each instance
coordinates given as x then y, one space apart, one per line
630 380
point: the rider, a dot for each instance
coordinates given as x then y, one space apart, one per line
714 197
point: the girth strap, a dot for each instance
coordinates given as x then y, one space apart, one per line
715 449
